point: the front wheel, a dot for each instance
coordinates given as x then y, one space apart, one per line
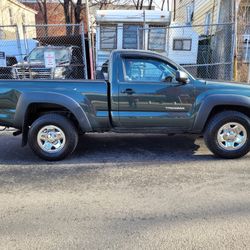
227 134
53 137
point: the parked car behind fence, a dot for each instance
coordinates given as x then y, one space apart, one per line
51 62
6 72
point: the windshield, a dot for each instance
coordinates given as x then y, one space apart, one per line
61 55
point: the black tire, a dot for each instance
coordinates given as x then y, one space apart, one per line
65 125
213 127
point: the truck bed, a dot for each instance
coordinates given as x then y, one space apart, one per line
92 96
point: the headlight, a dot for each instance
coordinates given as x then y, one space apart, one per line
59 73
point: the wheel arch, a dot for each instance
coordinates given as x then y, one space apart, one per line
215 104
31 105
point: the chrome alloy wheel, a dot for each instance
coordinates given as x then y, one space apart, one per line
232 136
51 139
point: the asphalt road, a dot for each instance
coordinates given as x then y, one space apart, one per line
124 192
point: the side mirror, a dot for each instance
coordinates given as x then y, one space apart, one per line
181 76
25 58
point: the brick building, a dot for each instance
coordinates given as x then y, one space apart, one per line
55 15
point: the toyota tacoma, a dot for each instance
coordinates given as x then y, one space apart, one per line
145 93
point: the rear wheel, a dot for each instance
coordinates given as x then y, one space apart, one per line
53 137
227 134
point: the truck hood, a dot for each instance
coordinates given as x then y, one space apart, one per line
228 85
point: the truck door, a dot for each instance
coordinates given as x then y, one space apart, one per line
149 95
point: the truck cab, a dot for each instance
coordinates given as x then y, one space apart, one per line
150 92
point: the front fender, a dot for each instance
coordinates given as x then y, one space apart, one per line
214 100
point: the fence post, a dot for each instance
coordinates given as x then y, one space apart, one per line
138 38
233 54
84 52
93 51
19 46
248 78
25 40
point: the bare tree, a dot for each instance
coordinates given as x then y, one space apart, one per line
150 5
42 4
162 4
67 14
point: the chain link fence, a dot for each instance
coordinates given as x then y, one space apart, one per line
206 51
61 51
45 52
215 57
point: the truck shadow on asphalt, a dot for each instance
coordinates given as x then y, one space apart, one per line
114 148
97 153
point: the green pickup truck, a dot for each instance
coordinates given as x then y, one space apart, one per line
145 93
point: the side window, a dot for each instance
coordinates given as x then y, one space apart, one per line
147 70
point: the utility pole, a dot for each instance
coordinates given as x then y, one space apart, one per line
248 80
89 41
87 14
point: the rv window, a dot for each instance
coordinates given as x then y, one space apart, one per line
132 36
108 37
182 44
157 38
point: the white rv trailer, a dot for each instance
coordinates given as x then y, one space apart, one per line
144 29
182 44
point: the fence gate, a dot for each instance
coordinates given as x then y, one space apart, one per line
11 50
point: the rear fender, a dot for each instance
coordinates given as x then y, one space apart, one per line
27 99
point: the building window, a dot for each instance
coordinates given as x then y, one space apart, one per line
108 37
157 38
11 16
182 44
24 18
247 15
189 13
246 51
131 34
246 39
207 26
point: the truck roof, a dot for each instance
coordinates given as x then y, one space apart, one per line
148 53
136 52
